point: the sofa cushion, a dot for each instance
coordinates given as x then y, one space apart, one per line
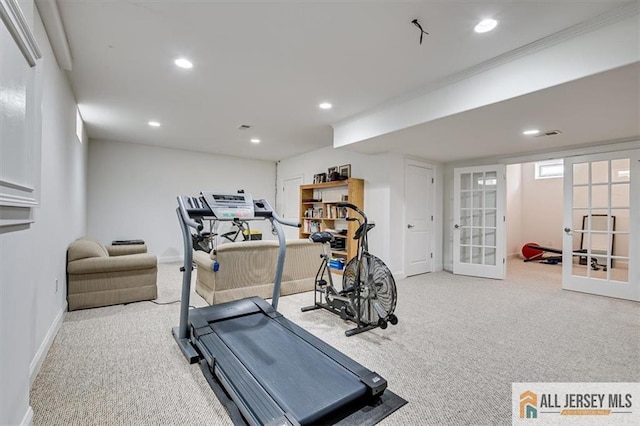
83 248
245 264
93 265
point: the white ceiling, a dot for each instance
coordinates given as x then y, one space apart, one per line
269 64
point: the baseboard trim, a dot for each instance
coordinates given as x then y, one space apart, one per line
38 359
170 259
27 420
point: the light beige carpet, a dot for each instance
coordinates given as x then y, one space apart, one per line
460 343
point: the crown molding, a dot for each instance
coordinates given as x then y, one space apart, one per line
53 25
17 25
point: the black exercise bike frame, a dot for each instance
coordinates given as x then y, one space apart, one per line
361 235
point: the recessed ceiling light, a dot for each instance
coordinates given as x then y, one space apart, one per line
183 63
486 25
154 123
325 105
255 140
531 132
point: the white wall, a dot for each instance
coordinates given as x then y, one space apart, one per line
514 209
383 196
133 189
33 257
542 208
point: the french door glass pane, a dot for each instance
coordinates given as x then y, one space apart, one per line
599 196
620 195
622 219
620 170
489 256
465 254
580 196
490 237
465 181
477 237
581 173
600 172
477 255
490 200
490 218
477 217
477 200
478 180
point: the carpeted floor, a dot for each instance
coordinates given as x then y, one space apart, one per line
460 343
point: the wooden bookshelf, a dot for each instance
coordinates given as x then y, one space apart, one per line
319 212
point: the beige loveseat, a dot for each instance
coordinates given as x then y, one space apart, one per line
248 268
99 275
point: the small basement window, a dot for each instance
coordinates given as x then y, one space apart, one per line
549 169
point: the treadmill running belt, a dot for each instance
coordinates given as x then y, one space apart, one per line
301 379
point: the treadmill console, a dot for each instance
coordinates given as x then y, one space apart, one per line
228 205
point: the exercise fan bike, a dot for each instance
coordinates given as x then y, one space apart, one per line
368 296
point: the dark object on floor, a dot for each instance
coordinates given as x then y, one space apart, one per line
126 242
535 252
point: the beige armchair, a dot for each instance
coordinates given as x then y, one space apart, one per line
102 276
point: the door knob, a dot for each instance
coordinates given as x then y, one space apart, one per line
410 226
567 230
456 226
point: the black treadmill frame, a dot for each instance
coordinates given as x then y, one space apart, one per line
197 339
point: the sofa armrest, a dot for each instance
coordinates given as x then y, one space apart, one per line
122 250
93 265
203 259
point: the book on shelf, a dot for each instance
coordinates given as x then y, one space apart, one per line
311 226
313 213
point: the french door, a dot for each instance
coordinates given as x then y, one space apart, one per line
600 241
479 221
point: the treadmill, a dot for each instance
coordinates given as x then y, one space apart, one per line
275 372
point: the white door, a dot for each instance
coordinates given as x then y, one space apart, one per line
479 221
291 198
601 234
418 218
291 204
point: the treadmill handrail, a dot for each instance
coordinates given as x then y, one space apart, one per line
185 216
293 223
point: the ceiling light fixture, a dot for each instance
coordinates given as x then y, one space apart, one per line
531 132
183 63
325 105
154 123
486 25
255 140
